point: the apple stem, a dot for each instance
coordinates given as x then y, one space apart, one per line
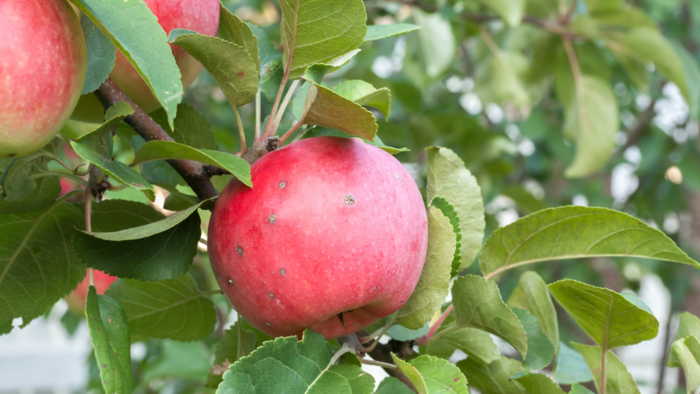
283 107
258 131
435 326
291 131
241 132
380 364
88 222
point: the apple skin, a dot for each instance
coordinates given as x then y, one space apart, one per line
76 299
349 235
201 16
42 71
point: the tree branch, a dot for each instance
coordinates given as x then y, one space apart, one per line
191 171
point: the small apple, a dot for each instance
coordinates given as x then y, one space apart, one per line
76 299
201 16
42 71
332 237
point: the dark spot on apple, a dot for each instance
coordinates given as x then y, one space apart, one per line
283 272
282 184
349 200
272 219
239 249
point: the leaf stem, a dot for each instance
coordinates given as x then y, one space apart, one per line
291 131
280 92
283 107
425 339
380 364
575 68
301 134
379 334
241 132
210 292
258 130
602 370
88 222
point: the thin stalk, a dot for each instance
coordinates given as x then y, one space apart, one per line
283 107
210 292
602 370
290 131
88 222
61 162
575 68
438 335
380 364
280 92
436 326
301 134
379 335
258 130
241 132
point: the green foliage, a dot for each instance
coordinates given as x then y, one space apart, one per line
532 295
571 367
18 184
449 211
392 385
493 378
539 348
618 380
378 32
234 30
475 343
101 55
536 383
432 375
237 342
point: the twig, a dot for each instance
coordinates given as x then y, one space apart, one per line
241 132
379 335
380 364
280 92
258 130
191 171
284 105
88 219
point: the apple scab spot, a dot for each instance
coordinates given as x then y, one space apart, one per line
268 324
283 272
271 295
230 281
398 176
282 184
239 249
456 379
349 200
272 219
374 288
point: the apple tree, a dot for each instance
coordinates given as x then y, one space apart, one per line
295 214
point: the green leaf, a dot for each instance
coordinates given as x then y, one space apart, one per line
432 375
234 30
499 79
571 367
44 194
316 72
37 266
401 333
493 378
593 120
434 283
271 75
510 10
378 32
109 331
392 385
101 54
606 316
158 250
578 389
323 107
317 32
687 354
117 215
172 309
135 31
181 361
325 131
539 348
192 128
477 303
532 295
618 380
474 343
537 383
305 366
692 77
597 6
688 324
575 232
448 177
449 211
176 200
236 342
266 49
365 94
167 150
17 182
231 65
99 140
436 42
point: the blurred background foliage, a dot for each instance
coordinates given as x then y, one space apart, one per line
499 88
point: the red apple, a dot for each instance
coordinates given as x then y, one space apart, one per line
43 61
201 16
76 299
331 226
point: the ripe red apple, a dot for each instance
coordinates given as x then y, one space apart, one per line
201 16
331 226
76 299
43 61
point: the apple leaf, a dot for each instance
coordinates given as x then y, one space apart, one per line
599 6
43 195
432 375
499 81
510 10
448 177
306 366
167 150
117 215
688 324
378 32
236 342
618 380
593 120
434 283
135 31
686 352
234 30
575 232
473 342
193 129
401 333
571 367
37 266
449 211
365 94
436 42
606 316
101 54
17 182
316 72
392 385
317 32
578 389
176 200
271 75
324 107
266 50
532 295
99 140
493 378
540 349
231 65
109 332
173 308
537 383
477 303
